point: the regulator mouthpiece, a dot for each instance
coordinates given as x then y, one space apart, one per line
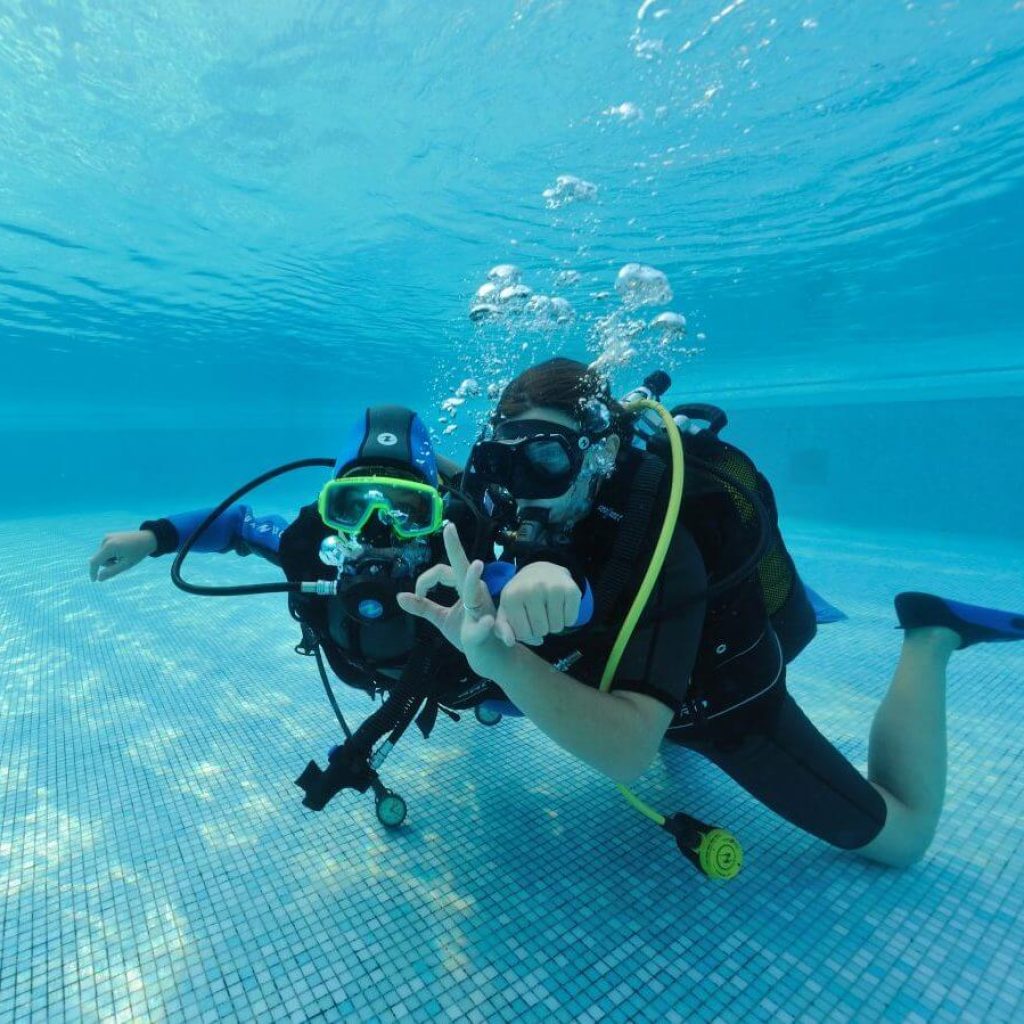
338 549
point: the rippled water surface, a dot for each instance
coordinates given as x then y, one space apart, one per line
253 205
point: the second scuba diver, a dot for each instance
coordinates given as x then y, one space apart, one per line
705 665
372 531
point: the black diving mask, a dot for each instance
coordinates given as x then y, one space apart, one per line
531 459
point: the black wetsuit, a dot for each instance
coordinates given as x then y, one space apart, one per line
720 667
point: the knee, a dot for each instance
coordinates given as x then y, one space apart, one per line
904 857
904 839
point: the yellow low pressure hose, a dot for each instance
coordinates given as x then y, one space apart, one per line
717 853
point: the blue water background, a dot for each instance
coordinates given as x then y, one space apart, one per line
224 228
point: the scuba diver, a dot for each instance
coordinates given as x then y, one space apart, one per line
698 609
372 531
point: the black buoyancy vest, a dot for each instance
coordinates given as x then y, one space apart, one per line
356 651
299 555
726 529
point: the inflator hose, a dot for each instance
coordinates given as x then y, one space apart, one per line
186 547
718 855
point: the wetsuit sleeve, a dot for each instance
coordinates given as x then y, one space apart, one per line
237 529
659 659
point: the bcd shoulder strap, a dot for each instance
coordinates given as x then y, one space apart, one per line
630 536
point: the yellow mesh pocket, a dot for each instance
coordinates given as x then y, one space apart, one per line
774 571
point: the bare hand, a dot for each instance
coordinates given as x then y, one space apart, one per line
540 599
119 552
469 623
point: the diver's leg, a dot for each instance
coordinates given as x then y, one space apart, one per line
778 756
907 748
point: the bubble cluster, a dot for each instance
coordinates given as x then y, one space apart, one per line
546 312
516 323
614 336
624 112
505 298
647 49
569 189
621 337
511 319
640 285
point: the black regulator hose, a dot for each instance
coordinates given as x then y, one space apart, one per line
186 547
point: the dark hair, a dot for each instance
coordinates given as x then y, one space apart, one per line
563 384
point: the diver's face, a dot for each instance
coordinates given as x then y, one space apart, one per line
575 504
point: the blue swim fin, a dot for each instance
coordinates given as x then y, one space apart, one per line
823 611
974 624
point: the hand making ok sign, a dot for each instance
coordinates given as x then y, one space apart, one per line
469 623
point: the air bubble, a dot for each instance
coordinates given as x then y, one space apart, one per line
640 285
515 296
624 112
669 327
484 311
569 189
504 274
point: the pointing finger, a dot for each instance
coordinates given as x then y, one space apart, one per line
456 553
476 598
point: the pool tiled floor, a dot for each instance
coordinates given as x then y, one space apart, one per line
156 863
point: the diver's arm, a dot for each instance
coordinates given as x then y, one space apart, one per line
602 729
606 730
651 678
236 529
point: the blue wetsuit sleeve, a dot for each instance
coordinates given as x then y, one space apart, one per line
237 529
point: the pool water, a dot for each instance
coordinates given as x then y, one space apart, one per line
227 229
